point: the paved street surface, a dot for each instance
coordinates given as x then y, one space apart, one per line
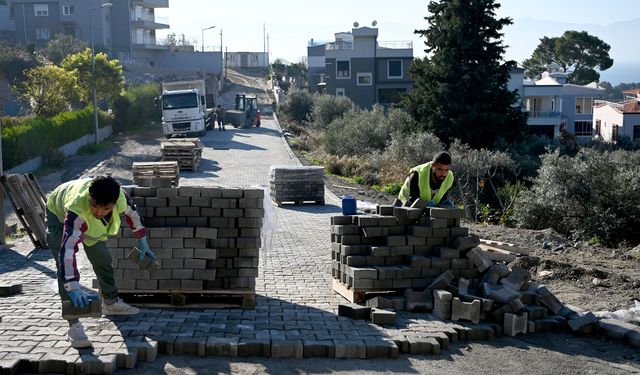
295 305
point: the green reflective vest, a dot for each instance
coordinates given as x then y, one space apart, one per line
424 178
74 196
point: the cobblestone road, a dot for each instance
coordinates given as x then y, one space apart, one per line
296 308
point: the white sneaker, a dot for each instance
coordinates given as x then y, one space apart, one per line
119 308
77 337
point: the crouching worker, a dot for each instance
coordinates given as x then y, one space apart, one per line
88 211
430 182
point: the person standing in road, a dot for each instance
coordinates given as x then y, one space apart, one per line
220 112
87 211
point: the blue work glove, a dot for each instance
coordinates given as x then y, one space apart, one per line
447 203
143 246
80 298
431 203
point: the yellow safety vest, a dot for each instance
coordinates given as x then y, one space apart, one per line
74 196
424 178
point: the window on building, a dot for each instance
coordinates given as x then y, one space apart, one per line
364 79
340 92
3 2
614 132
583 129
43 33
584 105
343 69
67 10
598 127
41 10
394 68
636 132
388 96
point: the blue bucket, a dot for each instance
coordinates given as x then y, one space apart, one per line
348 205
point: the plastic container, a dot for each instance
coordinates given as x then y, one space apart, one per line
349 205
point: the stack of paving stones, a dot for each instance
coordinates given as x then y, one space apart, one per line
297 184
204 239
420 259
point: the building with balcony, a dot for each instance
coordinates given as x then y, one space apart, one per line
360 67
554 104
126 30
616 119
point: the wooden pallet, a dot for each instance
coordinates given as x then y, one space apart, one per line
359 296
191 299
29 203
186 151
299 202
143 172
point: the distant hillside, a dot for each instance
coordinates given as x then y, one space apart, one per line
524 35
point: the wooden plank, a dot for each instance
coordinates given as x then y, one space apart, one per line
496 255
506 246
360 296
29 203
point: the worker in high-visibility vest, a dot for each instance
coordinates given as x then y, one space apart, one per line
87 211
430 182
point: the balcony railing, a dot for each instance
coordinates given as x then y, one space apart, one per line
339 46
396 44
536 114
144 40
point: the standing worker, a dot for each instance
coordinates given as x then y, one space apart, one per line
87 211
430 182
220 112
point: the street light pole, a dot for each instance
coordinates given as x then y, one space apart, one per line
93 68
204 61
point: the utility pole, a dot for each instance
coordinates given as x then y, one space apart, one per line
221 63
264 39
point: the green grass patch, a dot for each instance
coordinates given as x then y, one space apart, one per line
392 188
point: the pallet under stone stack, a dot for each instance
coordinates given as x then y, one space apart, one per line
417 259
206 241
297 184
185 151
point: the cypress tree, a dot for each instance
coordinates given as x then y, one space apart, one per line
460 87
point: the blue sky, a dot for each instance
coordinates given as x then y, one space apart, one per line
291 23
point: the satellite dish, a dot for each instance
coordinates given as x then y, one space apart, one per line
374 23
356 24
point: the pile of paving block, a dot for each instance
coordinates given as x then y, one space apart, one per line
420 259
297 184
204 238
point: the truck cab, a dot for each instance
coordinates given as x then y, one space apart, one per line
184 109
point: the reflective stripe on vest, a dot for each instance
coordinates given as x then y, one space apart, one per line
424 178
74 196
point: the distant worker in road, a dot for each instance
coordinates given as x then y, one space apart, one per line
430 182
87 211
220 112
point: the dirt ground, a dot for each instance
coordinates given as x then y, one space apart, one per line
592 278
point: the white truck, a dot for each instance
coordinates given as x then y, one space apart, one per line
184 109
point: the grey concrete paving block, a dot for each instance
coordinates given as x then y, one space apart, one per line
382 317
287 349
354 311
318 349
466 243
549 300
381 348
466 310
10 289
222 346
442 304
616 329
584 324
516 278
254 347
423 345
350 349
446 213
515 323
190 345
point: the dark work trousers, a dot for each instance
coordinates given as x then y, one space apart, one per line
98 255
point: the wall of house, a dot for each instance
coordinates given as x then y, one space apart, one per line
631 120
315 66
608 117
246 59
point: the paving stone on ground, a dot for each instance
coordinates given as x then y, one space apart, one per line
296 313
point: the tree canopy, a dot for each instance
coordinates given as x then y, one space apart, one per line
109 76
576 52
460 87
49 89
61 46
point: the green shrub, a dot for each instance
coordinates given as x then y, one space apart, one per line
327 108
297 105
359 132
35 136
594 194
136 108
